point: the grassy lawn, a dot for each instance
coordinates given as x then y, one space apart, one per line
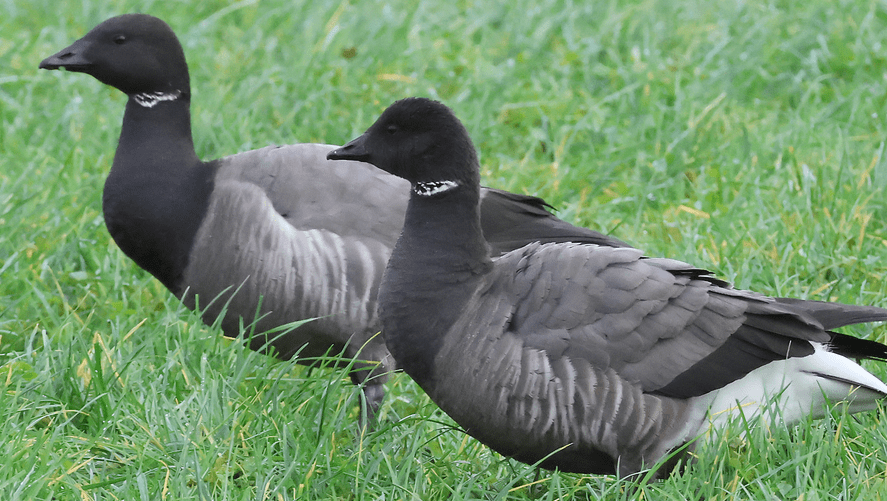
744 137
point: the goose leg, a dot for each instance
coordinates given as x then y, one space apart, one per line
372 363
373 394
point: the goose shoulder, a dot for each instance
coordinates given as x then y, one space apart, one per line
271 233
347 198
525 389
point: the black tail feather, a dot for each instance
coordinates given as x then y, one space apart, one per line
856 348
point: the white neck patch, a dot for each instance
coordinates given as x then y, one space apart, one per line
150 99
433 187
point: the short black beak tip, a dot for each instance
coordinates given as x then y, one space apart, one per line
57 60
354 150
71 58
334 155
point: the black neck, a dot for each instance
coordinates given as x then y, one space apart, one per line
443 232
156 134
441 249
158 190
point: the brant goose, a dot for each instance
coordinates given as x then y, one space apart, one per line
584 357
277 233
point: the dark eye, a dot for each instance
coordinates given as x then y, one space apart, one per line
120 39
392 129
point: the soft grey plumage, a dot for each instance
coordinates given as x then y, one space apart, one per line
295 236
613 356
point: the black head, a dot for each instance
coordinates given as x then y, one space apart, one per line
419 140
135 53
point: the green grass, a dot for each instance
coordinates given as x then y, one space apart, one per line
744 137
